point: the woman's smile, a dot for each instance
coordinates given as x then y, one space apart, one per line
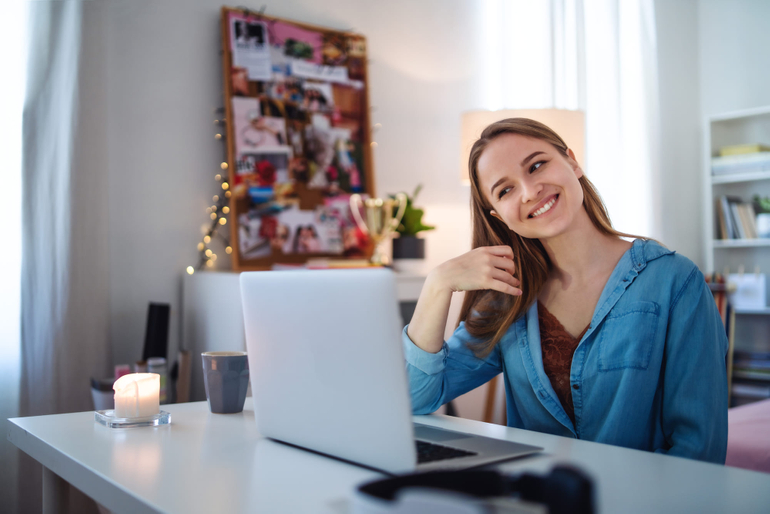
544 206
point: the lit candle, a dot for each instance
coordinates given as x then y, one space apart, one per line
137 395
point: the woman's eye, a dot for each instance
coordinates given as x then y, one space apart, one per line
503 192
536 166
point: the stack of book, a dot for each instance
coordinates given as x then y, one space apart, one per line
736 219
741 159
751 377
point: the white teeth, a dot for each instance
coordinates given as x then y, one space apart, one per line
544 208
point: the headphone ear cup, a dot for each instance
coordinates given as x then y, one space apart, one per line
568 490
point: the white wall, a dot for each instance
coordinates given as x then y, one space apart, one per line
164 80
680 126
734 63
735 73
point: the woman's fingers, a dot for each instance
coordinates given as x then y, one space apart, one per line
505 283
503 264
490 267
501 251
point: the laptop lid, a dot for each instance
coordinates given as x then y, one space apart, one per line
326 364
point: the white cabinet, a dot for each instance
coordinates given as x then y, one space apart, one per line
212 319
751 327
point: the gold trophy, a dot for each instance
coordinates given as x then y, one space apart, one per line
380 222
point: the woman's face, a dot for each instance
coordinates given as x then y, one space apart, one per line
531 186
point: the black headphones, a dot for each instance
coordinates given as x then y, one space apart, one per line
565 490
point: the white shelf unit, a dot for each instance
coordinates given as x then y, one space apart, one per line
751 326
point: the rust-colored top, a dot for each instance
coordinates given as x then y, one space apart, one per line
558 346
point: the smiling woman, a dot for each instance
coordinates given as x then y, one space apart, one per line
597 337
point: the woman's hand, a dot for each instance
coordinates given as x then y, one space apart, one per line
487 267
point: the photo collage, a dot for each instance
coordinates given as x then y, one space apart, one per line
299 115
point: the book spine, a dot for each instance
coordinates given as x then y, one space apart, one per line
737 220
721 223
728 217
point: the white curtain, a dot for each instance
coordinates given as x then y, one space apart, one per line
64 274
598 56
12 30
621 104
64 314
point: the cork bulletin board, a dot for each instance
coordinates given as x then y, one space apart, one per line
298 139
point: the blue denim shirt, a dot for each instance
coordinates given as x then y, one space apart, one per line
649 373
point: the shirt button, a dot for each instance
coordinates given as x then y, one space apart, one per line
575 386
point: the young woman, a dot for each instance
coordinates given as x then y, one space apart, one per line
597 338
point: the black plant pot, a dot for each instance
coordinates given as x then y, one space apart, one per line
408 247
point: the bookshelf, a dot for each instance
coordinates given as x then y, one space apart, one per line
749 328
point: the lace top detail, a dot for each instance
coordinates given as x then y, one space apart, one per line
558 346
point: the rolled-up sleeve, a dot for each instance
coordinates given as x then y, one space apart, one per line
437 378
695 399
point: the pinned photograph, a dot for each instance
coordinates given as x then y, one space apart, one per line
335 160
334 50
288 90
353 241
311 232
318 96
252 130
259 171
261 232
240 78
294 133
276 232
297 42
356 58
250 47
303 235
253 241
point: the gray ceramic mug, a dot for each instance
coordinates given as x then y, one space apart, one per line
226 377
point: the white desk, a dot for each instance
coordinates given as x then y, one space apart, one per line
207 462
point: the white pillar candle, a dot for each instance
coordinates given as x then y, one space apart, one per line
137 395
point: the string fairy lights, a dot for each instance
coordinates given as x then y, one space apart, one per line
217 212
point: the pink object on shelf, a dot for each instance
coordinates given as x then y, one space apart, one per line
122 369
748 439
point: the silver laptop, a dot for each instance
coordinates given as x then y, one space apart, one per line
328 374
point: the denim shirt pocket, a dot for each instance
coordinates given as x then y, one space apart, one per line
627 338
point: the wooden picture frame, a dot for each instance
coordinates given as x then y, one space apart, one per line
298 139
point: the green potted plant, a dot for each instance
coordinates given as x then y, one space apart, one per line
408 249
762 208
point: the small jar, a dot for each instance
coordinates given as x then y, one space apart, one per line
158 365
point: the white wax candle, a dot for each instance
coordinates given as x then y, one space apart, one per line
137 395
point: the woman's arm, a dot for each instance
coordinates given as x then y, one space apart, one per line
438 371
695 377
436 378
488 267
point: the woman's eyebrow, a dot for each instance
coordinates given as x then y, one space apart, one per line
494 186
523 163
530 156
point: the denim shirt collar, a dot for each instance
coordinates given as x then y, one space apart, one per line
628 268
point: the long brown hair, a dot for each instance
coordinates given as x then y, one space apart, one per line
488 314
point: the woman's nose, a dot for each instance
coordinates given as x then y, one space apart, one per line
530 190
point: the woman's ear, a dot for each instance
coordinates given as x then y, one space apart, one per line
494 214
575 166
